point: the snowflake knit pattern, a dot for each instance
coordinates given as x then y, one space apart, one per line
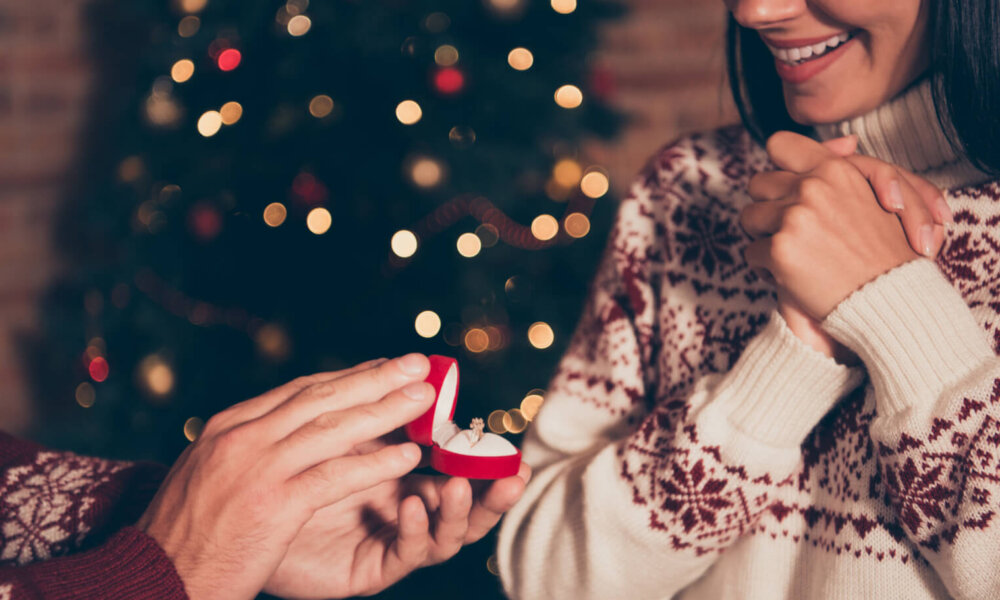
691 446
65 528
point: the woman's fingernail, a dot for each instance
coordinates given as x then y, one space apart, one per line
417 391
943 211
927 240
412 363
895 195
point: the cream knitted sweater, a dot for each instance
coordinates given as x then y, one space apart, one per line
691 446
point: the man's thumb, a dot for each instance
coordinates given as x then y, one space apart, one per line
843 146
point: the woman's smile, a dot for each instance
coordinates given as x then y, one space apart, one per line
798 60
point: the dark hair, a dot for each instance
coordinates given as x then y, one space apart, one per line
964 65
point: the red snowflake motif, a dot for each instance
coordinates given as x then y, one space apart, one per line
917 495
705 238
695 498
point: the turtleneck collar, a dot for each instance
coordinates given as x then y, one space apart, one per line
905 131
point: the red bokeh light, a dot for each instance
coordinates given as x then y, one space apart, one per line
449 81
229 59
98 369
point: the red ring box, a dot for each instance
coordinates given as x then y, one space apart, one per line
452 449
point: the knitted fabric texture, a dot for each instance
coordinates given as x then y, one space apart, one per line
691 446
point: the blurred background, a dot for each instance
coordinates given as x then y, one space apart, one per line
201 199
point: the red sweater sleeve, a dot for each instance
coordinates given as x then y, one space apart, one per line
65 527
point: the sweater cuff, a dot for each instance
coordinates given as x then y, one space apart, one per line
129 566
914 332
781 387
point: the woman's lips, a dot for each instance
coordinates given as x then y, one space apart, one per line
802 72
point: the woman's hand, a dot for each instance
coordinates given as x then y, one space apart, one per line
236 500
824 226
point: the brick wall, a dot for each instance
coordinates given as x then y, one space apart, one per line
666 57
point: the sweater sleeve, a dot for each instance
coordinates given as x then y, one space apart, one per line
936 380
637 489
65 528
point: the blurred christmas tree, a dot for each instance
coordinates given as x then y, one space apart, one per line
271 189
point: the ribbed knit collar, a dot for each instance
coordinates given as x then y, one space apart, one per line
905 131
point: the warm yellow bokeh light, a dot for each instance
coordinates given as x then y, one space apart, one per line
408 112
477 340
275 214
531 404
564 7
426 172
299 25
469 245
85 395
321 106
231 112
188 26
319 220
520 59
493 565
182 70
567 172
569 96
577 225
595 184
209 123
428 324
488 234
545 227
540 335
156 375
446 55
404 243
515 421
495 421
193 6
192 428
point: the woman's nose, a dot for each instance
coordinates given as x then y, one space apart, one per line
757 14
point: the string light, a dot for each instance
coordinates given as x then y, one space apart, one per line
85 395
319 220
545 227
569 96
567 172
210 123
514 421
408 112
98 369
469 245
404 243
182 70
488 235
426 172
320 106
193 428
427 324
188 26
532 403
275 214
495 421
477 340
564 7
273 342
540 335
577 225
492 565
156 376
520 59
231 112
446 55
229 59
299 25
594 184
193 6
462 137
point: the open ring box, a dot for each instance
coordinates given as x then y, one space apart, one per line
456 451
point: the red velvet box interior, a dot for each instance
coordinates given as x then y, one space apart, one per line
452 449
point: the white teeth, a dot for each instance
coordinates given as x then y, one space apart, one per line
843 37
833 42
793 55
819 48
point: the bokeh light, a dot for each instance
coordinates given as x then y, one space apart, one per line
544 227
488 234
231 112
520 59
427 324
564 7
477 340
404 243
155 376
193 428
594 184
426 172
532 403
182 70
210 123
577 225
514 421
299 25
495 421
275 214
569 96
188 26
540 335
319 220
86 395
229 59
408 112
567 172
98 369
192 6
469 245
321 106
273 342
446 55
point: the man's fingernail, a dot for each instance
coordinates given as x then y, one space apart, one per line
943 211
412 363
410 452
927 240
417 391
895 195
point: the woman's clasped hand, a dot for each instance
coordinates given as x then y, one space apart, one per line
304 491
